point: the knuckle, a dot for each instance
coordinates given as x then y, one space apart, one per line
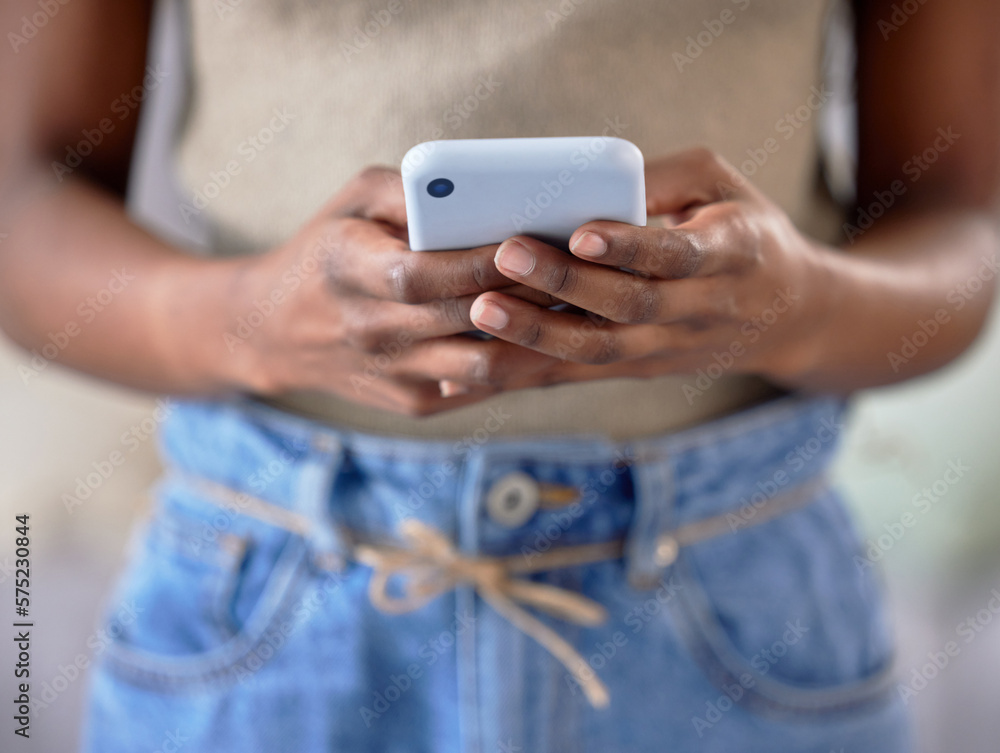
561 279
373 176
697 323
686 258
334 270
638 304
532 335
704 156
628 248
747 234
486 368
479 272
603 348
371 340
357 334
404 282
454 311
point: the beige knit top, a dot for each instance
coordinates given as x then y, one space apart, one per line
299 95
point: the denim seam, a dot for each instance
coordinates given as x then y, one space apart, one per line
470 473
314 486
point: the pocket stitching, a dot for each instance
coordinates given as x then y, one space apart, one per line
216 664
722 662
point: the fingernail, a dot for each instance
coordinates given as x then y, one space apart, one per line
590 245
452 389
490 315
514 258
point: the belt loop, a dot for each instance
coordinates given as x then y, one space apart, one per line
317 475
653 481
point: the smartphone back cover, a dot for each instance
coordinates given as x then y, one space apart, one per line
464 193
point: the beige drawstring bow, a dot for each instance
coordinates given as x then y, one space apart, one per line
432 566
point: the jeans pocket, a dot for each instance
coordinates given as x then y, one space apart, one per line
203 587
781 619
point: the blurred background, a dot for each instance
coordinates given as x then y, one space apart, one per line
58 431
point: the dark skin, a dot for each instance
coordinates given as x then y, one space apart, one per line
715 263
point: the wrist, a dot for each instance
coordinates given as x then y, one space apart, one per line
197 305
824 285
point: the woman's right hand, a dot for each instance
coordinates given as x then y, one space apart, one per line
346 307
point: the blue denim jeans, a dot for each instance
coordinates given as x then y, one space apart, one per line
251 637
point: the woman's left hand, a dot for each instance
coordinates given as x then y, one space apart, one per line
728 280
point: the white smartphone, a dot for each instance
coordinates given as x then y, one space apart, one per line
464 193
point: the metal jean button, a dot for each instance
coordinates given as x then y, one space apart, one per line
513 499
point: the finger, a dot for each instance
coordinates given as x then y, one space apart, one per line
376 326
451 388
414 396
693 177
368 260
376 193
526 293
612 293
569 337
715 239
470 362
617 295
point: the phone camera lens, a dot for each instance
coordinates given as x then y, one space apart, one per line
440 187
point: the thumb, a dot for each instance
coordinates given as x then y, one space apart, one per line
690 179
376 193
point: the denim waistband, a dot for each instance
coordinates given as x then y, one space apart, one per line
730 467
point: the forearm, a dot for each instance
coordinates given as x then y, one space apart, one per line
908 297
84 287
